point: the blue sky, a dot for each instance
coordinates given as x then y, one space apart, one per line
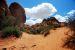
62 6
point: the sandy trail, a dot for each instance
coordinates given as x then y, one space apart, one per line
53 41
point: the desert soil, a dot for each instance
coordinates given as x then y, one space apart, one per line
53 41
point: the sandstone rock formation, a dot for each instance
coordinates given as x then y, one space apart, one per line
18 12
4 6
44 26
14 10
51 21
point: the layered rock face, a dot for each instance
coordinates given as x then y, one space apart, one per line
4 6
15 10
50 21
18 12
4 13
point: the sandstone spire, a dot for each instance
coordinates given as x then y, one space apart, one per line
4 6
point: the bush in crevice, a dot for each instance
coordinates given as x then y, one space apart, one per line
8 21
11 31
5 20
70 41
41 30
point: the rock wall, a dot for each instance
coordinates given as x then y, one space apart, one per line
14 10
4 6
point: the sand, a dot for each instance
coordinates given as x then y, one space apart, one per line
53 41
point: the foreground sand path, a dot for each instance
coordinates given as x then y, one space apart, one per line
53 41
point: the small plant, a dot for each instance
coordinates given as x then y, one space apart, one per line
70 41
41 30
7 21
9 31
57 26
4 49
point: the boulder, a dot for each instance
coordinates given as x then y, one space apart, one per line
19 13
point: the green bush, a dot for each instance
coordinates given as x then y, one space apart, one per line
2 12
57 26
7 21
70 41
8 31
41 30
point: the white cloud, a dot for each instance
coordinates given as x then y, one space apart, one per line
71 12
38 20
42 11
32 22
39 12
60 18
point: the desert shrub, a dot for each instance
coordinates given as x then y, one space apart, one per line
2 12
33 31
4 48
41 30
71 24
7 21
70 41
57 26
23 29
9 31
46 33
36 31
44 30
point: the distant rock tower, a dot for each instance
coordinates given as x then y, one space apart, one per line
51 21
19 13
